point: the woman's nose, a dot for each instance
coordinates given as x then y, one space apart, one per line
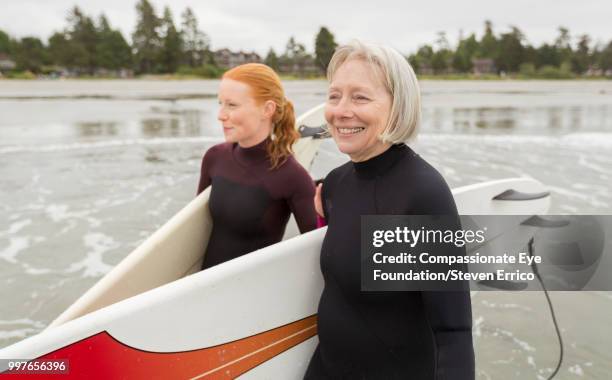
221 115
344 108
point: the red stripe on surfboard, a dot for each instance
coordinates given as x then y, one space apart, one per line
102 357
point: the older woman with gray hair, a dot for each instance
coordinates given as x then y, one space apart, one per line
373 107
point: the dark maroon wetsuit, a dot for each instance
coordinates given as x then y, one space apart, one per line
250 203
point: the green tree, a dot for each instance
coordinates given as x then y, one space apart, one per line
294 49
196 44
272 60
5 43
547 55
605 57
563 45
488 43
414 62
61 50
422 60
442 58
30 54
530 54
295 57
325 45
581 59
511 51
83 37
466 51
172 44
146 40
113 51
439 63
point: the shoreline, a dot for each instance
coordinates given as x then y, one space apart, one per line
450 78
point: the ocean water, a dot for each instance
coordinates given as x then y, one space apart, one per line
88 169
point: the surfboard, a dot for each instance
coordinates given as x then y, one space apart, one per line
253 317
178 247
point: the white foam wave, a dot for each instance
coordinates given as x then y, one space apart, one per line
495 139
576 370
57 212
107 144
23 321
585 197
92 264
28 327
16 245
505 305
602 139
522 344
591 139
477 326
61 213
531 362
19 333
587 163
28 269
16 227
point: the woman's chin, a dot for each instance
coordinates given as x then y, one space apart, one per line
229 137
347 147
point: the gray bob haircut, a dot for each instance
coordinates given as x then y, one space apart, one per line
399 80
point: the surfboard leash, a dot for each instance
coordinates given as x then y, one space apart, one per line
535 271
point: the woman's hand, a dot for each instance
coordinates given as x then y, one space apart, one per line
317 201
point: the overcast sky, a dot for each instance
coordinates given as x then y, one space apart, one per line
259 25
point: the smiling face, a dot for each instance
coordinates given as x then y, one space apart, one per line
357 110
244 121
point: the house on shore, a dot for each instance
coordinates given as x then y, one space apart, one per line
228 59
6 63
484 66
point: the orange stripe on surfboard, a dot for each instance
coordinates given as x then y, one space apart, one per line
102 357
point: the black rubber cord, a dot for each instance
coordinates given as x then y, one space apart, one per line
534 268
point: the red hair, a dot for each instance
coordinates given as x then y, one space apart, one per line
266 85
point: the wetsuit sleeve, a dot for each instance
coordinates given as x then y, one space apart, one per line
326 191
301 201
450 318
205 171
449 313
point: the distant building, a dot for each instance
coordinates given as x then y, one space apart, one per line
304 66
484 66
229 59
119 73
6 63
594 71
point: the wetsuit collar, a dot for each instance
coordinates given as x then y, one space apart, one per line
378 165
254 154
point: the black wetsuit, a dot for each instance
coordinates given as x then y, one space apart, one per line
250 204
386 335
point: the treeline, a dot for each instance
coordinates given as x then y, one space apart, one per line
511 53
89 46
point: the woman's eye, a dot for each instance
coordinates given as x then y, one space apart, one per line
334 97
361 98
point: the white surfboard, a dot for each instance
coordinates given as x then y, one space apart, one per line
253 317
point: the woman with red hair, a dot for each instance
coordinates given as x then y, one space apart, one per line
256 182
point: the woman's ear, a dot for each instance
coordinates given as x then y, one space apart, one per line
269 109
